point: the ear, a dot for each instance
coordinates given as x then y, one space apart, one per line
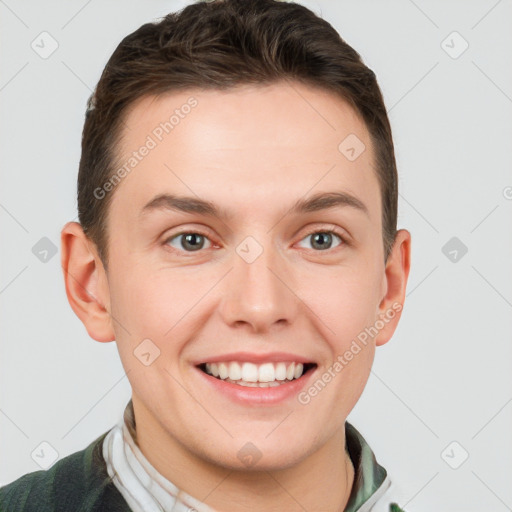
86 282
395 282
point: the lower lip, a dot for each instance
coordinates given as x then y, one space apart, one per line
255 395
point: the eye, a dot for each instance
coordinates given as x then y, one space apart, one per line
322 240
188 241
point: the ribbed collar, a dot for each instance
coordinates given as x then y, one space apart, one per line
146 490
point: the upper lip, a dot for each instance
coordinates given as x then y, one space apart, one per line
252 357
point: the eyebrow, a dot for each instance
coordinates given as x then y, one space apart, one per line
318 202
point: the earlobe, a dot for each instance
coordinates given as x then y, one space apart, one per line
86 283
396 275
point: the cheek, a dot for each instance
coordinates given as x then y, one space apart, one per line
347 304
150 304
151 315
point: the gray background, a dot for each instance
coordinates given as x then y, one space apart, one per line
444 377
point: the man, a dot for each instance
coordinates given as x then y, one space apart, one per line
237 198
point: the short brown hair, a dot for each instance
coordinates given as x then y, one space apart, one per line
217 45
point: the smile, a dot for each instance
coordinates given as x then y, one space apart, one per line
270 374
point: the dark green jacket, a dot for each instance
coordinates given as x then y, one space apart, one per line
76 483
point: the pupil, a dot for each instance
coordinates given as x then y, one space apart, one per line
191 240
322 237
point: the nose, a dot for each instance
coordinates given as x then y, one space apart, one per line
259 294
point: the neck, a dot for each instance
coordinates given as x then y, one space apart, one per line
321 481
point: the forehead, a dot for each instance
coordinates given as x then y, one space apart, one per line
245 113
251 141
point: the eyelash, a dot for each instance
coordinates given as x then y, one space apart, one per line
344 241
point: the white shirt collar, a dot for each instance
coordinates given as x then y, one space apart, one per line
146 490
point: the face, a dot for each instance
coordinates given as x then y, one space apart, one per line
246 243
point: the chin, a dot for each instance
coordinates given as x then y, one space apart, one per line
257 455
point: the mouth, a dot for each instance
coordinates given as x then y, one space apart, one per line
251 375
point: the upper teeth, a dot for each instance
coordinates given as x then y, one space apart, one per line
249 372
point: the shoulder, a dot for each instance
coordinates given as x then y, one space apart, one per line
78 482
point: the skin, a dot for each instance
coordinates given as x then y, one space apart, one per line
253 151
